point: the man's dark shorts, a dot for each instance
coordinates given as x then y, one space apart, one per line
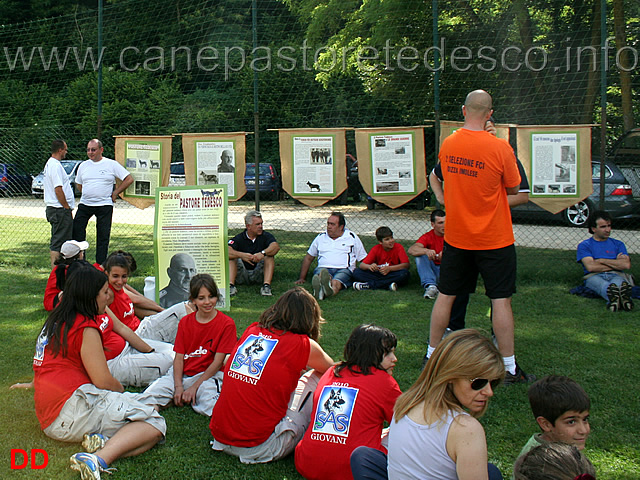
459 271
61 222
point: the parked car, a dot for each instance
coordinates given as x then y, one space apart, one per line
269 181
354 189
176 175
621 200
70 166
14 180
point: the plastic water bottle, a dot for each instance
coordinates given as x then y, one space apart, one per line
150 288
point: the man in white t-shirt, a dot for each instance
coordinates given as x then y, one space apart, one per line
58 198
337 250
96 179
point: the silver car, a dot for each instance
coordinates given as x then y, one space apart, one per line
70 166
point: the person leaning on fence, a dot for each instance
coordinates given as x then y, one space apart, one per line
95 179
251 255
385 267
58 198
604 260
337 250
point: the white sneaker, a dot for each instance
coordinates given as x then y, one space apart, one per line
393 287
360 286
431 292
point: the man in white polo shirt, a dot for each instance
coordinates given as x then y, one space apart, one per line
96 179
337 251
58 197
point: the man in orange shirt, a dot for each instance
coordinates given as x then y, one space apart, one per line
479 170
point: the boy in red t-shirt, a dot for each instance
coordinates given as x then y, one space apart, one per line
386 266
205 338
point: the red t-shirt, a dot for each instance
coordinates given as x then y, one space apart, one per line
258 383
348 411
433 242
122 307
51 291
199 342
380 256
112 342
56 378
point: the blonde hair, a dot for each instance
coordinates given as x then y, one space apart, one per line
464 354
553 461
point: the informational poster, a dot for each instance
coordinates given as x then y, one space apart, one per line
190 237
447 127
313 165
392 163
215 164
554 164
143 161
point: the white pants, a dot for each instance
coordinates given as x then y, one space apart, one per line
163 326
287 433
136 369
162 390
93 410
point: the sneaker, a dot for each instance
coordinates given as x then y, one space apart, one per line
519 377
613 292
88 464
431 292
233 291
625 297
265 291
92 442
360 286
317 289
446 333
393 287
325 282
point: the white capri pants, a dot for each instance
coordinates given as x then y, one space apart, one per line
162 326
136 369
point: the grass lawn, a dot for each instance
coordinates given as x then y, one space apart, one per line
555 333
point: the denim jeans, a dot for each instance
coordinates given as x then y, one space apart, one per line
428 271
600 281
377 280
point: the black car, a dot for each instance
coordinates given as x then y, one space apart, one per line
622 188
270 185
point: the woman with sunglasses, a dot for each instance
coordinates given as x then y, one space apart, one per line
435 432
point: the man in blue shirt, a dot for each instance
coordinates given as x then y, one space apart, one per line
604 260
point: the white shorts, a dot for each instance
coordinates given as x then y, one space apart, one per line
163 326
288 432
93 410
162 390
136 369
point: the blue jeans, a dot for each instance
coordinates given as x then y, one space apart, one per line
377 280
428 271
370 464
600 281
343 275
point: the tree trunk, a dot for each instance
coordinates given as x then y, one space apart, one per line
625 77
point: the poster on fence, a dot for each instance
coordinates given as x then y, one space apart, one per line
557 159
147 159
447 127
391 163
215 159
190 237
314 168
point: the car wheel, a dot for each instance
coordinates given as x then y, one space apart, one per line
578 215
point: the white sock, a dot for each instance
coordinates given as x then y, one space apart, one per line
510 364
430 351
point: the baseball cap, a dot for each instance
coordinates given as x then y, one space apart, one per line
71 248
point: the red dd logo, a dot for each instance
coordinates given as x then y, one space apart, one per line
20 458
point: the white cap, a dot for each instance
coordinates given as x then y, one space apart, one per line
71 248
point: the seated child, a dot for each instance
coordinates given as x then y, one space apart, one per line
205 337
561 408
554 461
70 252
350 405
386 266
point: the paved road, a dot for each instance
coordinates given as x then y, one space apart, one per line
406 224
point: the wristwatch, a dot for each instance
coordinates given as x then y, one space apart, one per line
263 253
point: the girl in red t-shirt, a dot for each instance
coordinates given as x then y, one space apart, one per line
350 405
76 397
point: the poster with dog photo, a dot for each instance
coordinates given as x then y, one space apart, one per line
143 160
215 164
313 164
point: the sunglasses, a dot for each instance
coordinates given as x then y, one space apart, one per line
480 383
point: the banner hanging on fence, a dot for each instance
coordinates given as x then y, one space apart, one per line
391 163
557 159
190 237
215 159
147 159
447 127
313 162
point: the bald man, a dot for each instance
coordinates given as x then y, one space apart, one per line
479 235
225 162
181 269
